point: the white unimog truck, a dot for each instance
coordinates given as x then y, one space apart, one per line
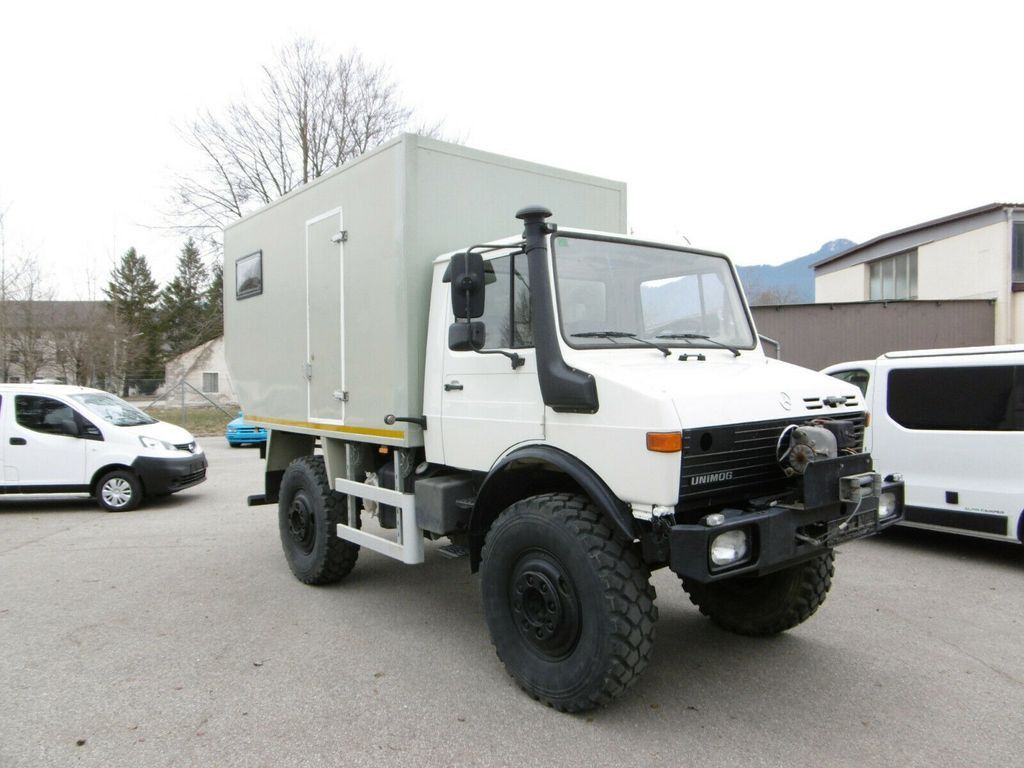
572 408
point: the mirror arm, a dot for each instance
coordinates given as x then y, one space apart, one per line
517 360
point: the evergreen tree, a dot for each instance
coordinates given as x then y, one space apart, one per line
183 312
213 302
133 295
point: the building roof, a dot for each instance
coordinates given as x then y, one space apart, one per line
915 228
55 315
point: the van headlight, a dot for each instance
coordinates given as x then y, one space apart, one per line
730 547
152 442
886 505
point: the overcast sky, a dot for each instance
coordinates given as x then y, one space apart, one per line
758 129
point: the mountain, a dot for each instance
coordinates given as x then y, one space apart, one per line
789 283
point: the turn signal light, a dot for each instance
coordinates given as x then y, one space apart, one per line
665 442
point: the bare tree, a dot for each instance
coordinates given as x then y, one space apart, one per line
29 337
311 115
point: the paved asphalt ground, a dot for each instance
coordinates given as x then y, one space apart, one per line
175 635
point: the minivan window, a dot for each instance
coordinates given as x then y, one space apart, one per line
856 376
970 398
113 410
44 414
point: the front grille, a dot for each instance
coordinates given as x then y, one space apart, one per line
726 464
191 478
190 447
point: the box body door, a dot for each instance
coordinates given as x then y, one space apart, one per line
325 318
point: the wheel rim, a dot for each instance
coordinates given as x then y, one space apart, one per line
116 492
300 523
544 605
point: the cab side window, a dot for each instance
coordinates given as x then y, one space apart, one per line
507 303
44 414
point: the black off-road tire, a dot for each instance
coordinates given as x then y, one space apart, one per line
119 490
308 514
569 605
766 605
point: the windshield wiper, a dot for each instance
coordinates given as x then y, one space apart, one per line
702 337
613 335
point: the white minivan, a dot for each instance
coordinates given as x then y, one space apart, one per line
68 439
951 421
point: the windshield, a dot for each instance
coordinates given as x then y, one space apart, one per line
113 410
614 293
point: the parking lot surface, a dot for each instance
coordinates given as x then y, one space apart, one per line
175 635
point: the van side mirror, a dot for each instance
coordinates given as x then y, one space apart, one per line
466 337
467 275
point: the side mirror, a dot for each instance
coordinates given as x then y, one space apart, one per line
466 337
467 272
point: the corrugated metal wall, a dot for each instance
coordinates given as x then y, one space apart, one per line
816 335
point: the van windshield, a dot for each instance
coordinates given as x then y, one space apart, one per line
628 294
113 410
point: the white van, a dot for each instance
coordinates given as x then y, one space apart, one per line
951 421
66 439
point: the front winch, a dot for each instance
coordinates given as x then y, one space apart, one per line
807 444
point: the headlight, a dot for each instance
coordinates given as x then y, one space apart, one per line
152 442
886 505
729 547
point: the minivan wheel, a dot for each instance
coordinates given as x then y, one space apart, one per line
119 491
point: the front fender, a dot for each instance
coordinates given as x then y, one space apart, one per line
537 469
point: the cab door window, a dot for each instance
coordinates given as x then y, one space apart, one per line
506 315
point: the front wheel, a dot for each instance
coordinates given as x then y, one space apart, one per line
766 605
119 491
569 606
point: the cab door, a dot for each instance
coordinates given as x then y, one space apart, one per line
488 406
42 447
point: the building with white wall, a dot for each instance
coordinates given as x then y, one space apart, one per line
204 371
975 254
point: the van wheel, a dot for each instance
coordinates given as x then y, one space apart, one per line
766 605
569 606
308 516
119 491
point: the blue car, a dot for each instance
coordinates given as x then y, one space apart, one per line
239 433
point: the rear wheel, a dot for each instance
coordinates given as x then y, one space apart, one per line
766 605
308 514
569 606
119 491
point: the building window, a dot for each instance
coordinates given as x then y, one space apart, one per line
1018 255
894 277
211 385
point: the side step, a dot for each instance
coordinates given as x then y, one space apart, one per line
409 547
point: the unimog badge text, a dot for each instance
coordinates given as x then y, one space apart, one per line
714 477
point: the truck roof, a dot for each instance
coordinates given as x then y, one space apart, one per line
515 239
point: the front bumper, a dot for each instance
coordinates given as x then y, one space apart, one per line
162 476
779 536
